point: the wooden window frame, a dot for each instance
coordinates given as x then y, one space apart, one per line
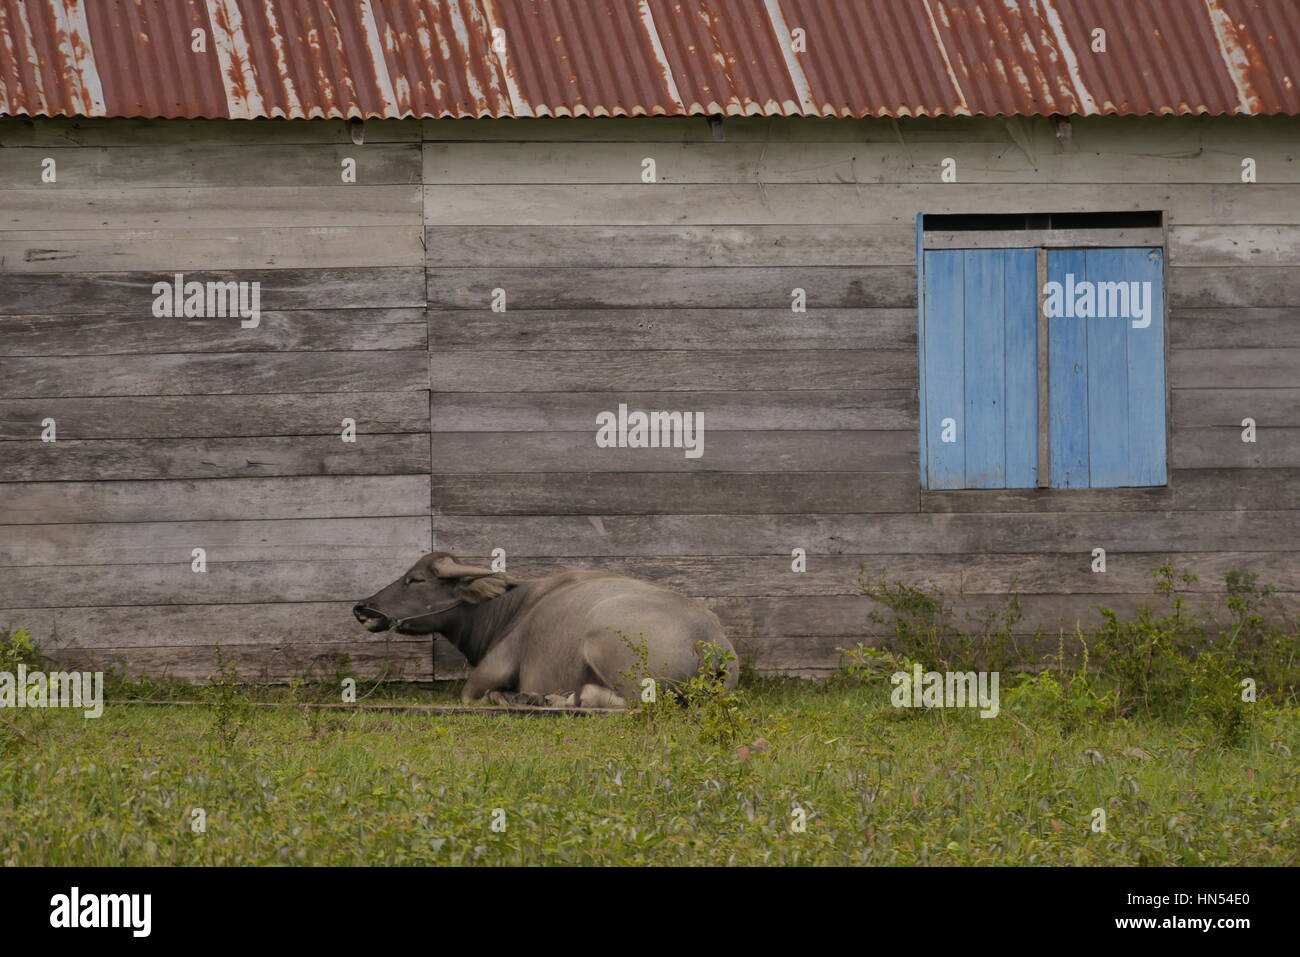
1041 240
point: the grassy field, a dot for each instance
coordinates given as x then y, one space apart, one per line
877 785
1165 738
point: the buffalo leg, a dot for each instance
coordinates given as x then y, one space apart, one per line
597 696
499 671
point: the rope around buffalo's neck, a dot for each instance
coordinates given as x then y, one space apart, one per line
397 623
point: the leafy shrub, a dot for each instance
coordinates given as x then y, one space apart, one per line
716 712
1186 665
923 628
864 662
719 712
1171 661
18 648
229 705
1066 692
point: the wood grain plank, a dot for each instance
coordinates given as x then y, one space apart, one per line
176 500
303 247
1234 368
1235 245
1044 574
215 416
280 289
838 204
688 288
266 664
668 371
776 451
1202 408
214 373
1211 286
853 409
1234 328
341 330
1126 572
280 623
636 493
760 618
718 246
376 539
739 161
1189 490
1222 448
216 207
720 328
1263 530
246 456
233 583
256 165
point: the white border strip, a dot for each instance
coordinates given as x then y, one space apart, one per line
648 22
228 45
792 64
72 22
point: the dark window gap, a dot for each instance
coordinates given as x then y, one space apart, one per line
1025 221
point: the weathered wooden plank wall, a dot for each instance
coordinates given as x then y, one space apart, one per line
672 295
675 295
182 433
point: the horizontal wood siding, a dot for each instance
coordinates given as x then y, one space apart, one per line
477 427
675 295
183 433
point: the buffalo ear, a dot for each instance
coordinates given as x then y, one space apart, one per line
482 589
449 567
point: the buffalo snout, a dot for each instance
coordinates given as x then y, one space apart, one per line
370 619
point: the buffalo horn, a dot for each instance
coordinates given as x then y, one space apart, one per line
450 568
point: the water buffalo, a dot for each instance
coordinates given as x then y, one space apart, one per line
574 638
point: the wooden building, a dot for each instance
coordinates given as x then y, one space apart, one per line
831 288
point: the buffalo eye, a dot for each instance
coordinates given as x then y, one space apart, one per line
412 579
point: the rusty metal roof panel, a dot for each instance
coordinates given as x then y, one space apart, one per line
880 52
146 67
499 58
725 57
437 57
584 58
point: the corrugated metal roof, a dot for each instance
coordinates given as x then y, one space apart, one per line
462 58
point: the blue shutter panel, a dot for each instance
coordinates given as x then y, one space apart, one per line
1106 376
1067 343
984 370
1020 307
943 338
980 352
1107 344
1148 447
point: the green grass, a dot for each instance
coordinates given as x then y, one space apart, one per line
878 785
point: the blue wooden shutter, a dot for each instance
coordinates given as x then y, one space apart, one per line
979 348
1107 375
